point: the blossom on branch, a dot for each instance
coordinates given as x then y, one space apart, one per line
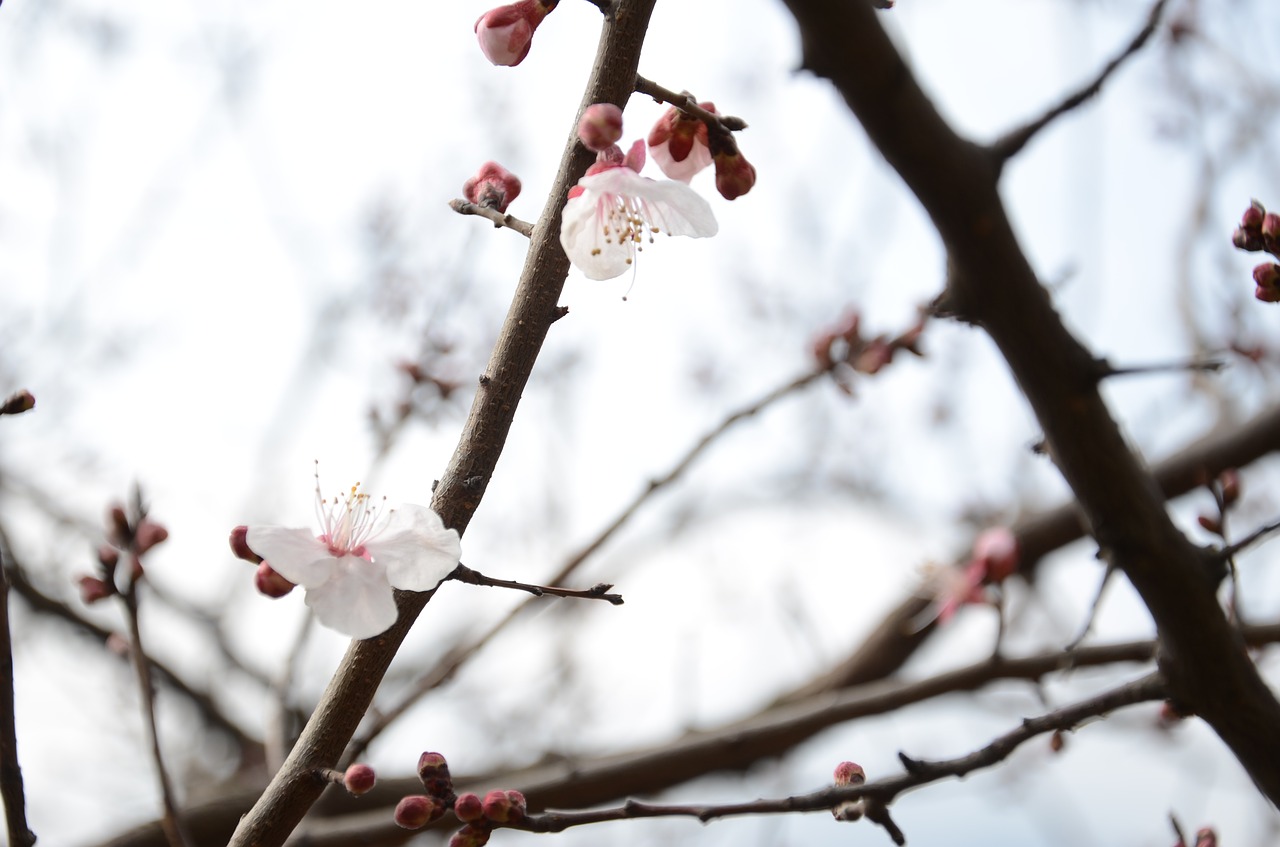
360 555
678 143
613 210
493 186
506 33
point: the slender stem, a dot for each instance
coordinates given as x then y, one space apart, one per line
173 829
11 790
462 207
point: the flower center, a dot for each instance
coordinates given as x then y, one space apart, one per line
347 521
626 221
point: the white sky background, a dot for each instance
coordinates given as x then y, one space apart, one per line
186 286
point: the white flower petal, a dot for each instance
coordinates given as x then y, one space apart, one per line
415 548
357 601
600 226
295 554
699 158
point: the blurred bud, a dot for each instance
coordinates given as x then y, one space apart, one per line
414 811
148 535
240 545
1206 837
1252 218
600 127
119 532
506 33
997 549
108 557
735 176
468 807
1243 239
496 806
1057 741
470 836
359 779
1210 523
850 810
518 805
18 402
1271 229
1229 479
1267 275
270 583
872 359
849 773
93 589
493 186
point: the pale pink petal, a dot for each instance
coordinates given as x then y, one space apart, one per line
295 554
416 549
356 601
698 159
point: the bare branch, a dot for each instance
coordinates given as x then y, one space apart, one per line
462 207
11 789
462 573
1008 145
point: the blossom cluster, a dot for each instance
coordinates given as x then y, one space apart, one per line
479 817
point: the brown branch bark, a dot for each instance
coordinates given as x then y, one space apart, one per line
991 284
294 788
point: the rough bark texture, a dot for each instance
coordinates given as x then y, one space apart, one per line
991 284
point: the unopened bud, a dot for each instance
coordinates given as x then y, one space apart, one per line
600 127
1271 228
496 806
506 33
270 583
470 835
1206 837
1057 741
118 530
1210 523
433 770
1229 480
108 557
997 548
359 779
493 186
735 176
849 773
93 589
240 545
468 807
518 805
1252 217
415 811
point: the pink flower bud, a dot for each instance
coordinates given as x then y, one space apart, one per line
1252 218
470 836
148 535
679 143
119 532
518 805
1267 275
506 33
1229 479
600 127
735 176
849 773
433 770
496 806
359 779
108 557
1206 837
493 186
93 589
997 549
240 545
414 811
468 807
270 583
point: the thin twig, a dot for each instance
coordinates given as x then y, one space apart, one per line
1249 540
173 828
686 103
451 662
462 207
462 573
1093 609
1198 365
11 790
1008 145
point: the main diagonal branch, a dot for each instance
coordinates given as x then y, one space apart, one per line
991 284
533 309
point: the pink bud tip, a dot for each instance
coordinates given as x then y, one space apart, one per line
270 583
505 34
1252 217
468 808
148 535
493 186
239 541
518 804
414 811
470 836
359 779
600 127
849 773
496 806
108 557
997 549
1206 837
118 530
735 176
93 589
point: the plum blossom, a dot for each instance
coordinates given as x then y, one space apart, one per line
613 210
506 33
678 143
360 555
996 556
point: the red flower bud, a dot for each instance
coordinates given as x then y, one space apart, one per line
600 127
849 773
148 535
359 779
470 835
493 186
270 583
735 176
433 770
239 541
415 811
506 33
17 403
496 806
468 807
93 589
